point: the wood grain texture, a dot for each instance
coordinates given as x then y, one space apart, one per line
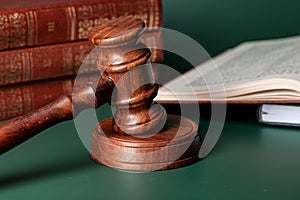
125 59
140 136
177 145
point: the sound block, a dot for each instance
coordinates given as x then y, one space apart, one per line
177 145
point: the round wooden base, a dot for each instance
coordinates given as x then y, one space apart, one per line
177 145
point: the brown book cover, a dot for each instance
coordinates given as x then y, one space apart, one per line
20 99
26 23
57 60
36 63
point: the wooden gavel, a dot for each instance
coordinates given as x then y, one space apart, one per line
141 136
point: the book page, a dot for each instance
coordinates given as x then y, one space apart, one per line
279 58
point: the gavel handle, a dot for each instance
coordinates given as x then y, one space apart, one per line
20 129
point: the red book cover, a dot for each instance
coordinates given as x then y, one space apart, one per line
57 60
36 63
26 23
20 99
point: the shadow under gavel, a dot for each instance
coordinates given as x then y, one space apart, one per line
141 136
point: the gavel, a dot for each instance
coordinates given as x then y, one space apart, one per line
141 136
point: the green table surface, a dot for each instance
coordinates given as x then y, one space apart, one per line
250 161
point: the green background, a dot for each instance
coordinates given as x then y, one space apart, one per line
250 161
219 25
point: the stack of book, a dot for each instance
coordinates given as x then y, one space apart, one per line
46 41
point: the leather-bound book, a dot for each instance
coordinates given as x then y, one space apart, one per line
57 60
48 39
26 23
44 62
20 99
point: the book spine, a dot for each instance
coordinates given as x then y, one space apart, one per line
69 22
58 60
18 100
43 62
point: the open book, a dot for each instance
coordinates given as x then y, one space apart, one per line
265 71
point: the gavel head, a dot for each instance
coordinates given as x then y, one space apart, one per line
126 60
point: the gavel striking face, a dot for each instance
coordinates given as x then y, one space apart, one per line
141 136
